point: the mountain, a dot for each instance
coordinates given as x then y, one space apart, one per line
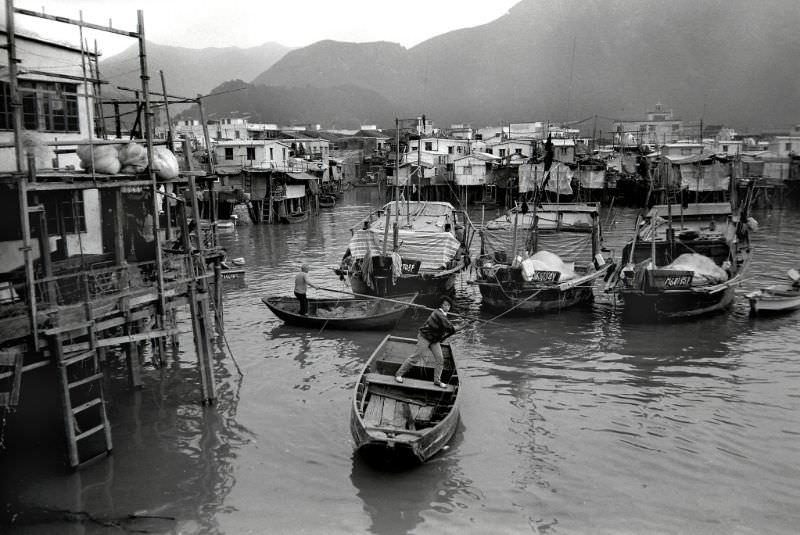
725 61
344 106
189 71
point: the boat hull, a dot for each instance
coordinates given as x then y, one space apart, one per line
363 314
676 305
773 301
429 286
532 300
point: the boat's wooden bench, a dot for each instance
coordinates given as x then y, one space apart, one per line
416 384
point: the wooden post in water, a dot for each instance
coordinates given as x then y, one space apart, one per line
198 305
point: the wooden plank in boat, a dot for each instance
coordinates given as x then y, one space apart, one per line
425 414
416 384
372 416
402 415
387 417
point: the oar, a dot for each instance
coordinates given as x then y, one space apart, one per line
461 316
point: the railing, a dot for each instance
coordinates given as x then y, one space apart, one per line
97 281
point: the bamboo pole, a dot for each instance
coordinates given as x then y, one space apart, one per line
13 90
167 210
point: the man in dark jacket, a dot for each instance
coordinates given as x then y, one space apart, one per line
429 351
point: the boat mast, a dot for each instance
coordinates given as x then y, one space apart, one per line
396 184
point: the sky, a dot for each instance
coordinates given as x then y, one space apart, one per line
248 23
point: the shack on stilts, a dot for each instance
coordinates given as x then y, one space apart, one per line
93 266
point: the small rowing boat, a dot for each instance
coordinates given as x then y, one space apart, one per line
776 299
360 313
403 423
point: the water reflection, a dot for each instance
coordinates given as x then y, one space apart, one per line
401 501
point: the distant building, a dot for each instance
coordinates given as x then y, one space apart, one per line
659 127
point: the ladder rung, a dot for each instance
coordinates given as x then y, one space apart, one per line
84 406
91 431
92 460
77 358
85 380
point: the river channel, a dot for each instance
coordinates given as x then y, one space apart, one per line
571 423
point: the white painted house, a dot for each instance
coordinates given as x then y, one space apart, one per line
52 110
474 169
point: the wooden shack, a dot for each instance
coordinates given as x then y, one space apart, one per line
93 266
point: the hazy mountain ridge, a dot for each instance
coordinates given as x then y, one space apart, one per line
725 61
345 106
189 71
571 59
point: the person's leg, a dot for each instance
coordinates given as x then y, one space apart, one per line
422 347
438 362
303 303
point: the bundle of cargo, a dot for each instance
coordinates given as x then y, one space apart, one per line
130 158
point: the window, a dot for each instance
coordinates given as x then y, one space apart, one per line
251 153
489 151
685 152
229 153
237 134
788 147
458 149
284 154
64 211
449 167
450 149
517 151
271 155
502 153
428 145
643 128
724 148
46 106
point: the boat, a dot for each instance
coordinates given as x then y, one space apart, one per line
407 247
359 313
294 217
685 259
367 181
400 424
233 278
327 200
776 299
543 260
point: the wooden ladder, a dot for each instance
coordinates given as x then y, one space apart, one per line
10 380
265 211
82 399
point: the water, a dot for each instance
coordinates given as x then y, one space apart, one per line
570 423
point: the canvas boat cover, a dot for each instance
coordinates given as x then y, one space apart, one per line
421 234
532 175
432 249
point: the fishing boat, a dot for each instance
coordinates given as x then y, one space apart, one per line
685 259
366 181
407 247
544 260
776 299
327 200
403 423
359 313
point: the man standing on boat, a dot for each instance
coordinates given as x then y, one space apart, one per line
429 350
301 284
